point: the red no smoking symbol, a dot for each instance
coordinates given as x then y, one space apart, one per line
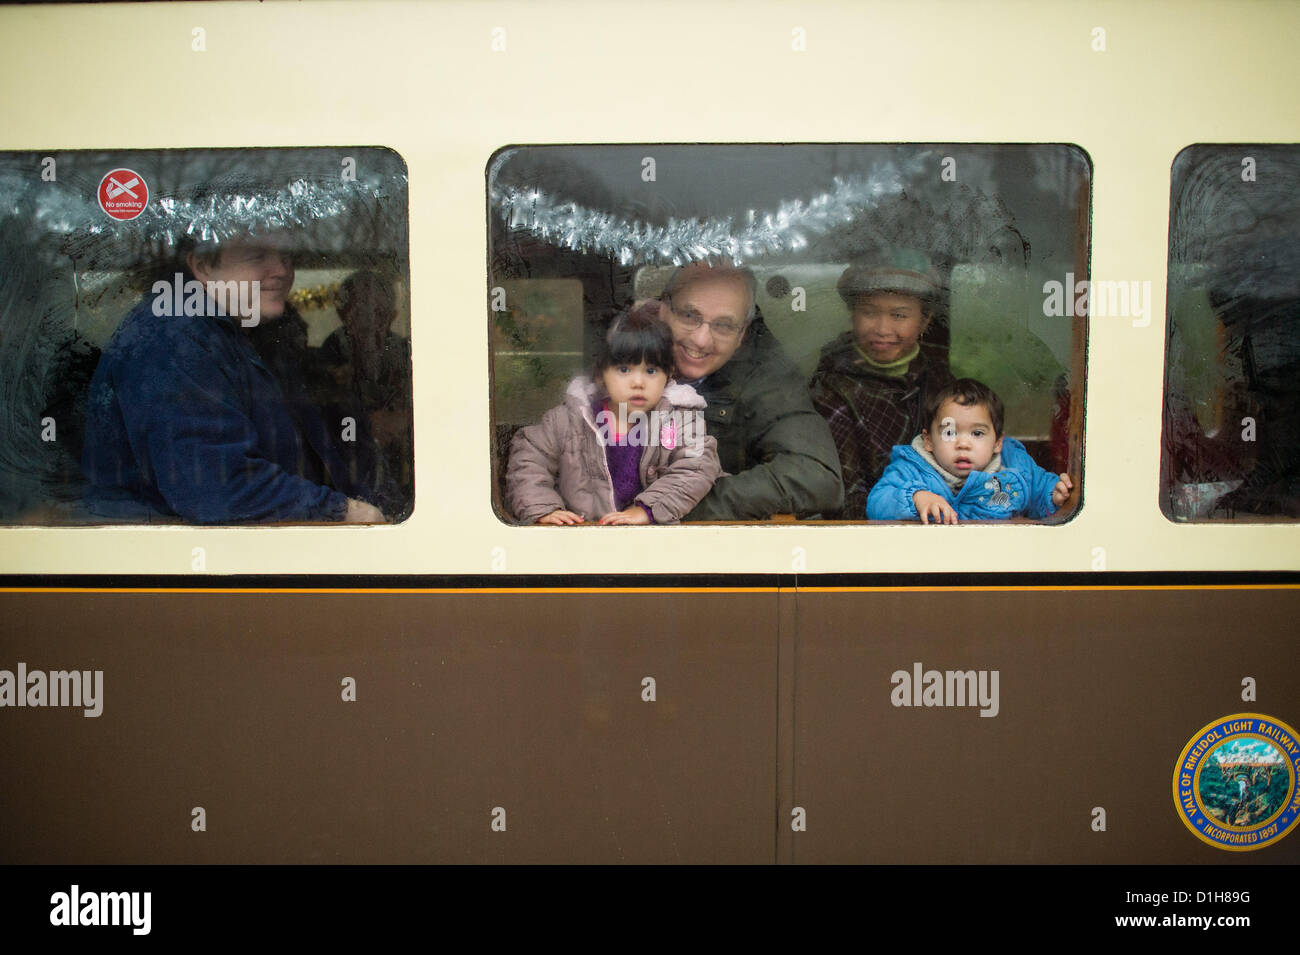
123 194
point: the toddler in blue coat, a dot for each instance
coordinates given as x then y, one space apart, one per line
962 468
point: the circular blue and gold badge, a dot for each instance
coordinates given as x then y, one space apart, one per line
1235 782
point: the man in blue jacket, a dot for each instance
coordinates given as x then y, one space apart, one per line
184 420
961 468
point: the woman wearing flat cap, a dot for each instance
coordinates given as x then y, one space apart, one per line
871 381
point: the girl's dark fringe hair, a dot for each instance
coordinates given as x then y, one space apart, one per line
635 336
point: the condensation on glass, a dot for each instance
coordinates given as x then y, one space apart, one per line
579 233
215 336
1231 435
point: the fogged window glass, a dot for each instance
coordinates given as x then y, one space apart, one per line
1231 448
205 336
812 301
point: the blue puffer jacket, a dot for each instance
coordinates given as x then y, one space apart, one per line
184 420
1021 487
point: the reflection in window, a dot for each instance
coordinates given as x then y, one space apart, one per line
807 404
205 336
1231 444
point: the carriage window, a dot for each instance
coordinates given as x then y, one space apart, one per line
835 323
214 336
1232 371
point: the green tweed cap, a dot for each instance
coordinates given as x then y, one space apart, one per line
895 270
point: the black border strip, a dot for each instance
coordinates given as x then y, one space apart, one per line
224 901
1098 579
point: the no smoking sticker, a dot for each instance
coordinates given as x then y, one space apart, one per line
123 194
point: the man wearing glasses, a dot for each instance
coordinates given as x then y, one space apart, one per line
776 450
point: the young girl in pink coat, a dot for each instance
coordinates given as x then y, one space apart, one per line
628 446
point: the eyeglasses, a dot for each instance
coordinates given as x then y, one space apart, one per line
723 329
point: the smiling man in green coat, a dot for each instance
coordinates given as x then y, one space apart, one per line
776 450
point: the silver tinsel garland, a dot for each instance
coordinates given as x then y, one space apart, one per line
325 212
786 229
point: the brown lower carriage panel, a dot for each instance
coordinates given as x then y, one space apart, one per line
514 726
1098 692
465 704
